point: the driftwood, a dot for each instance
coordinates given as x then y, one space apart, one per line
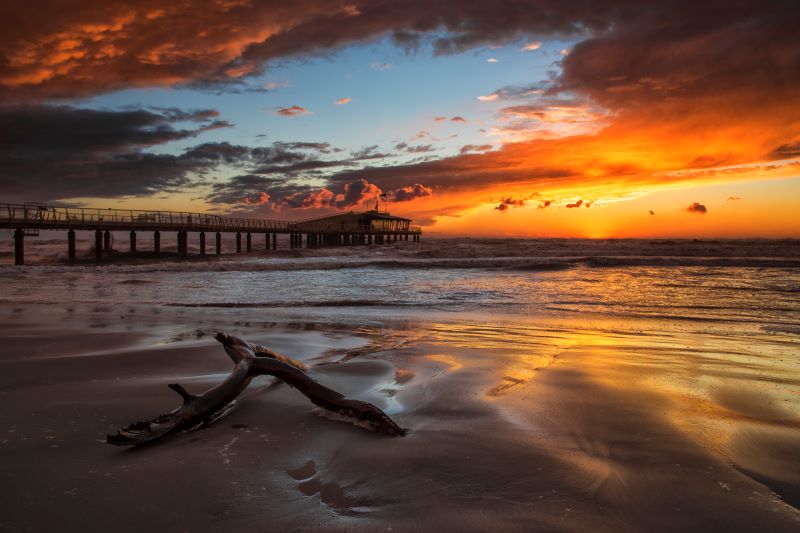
251 360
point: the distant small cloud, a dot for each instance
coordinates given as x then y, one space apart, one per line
418 149
565 52
652 212
530 47
475 148
272 85
734 198
507 202
588 204
351 10
342 101
440 119
697 208
422 134
380 66
458 119
488 98
292 111
545 204
491 60
576 204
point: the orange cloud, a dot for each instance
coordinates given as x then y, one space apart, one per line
292 111
342 101
697 208
530 47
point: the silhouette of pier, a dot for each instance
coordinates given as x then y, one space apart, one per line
345 229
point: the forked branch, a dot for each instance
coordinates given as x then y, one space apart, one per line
251 360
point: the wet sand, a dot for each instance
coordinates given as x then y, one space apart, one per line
513 427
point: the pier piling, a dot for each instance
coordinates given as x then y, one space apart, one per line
98 244
249 243
202 243
133 242
107 241
219 243
19 246
157 242
71 245
238 242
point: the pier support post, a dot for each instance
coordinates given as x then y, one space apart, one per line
107 241
98 244
157 242
219 243
202 243
274 241
71 245
133 242
19 247
249 243
238 242
266 238
369 238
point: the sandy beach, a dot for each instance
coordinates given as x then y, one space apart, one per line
516 423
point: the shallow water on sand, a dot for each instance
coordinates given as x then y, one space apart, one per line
622 391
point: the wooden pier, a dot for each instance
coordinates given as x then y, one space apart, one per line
346 229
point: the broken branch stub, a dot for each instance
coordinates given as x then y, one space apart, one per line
250 360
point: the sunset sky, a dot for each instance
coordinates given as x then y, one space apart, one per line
523 118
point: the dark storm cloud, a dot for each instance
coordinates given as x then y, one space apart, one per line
697 208
411 192
237 188
221 152
90 47
52 152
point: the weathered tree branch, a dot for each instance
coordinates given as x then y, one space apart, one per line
251 360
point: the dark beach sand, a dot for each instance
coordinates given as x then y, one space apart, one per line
546 432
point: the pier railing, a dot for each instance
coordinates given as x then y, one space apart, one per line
47 217
39 217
